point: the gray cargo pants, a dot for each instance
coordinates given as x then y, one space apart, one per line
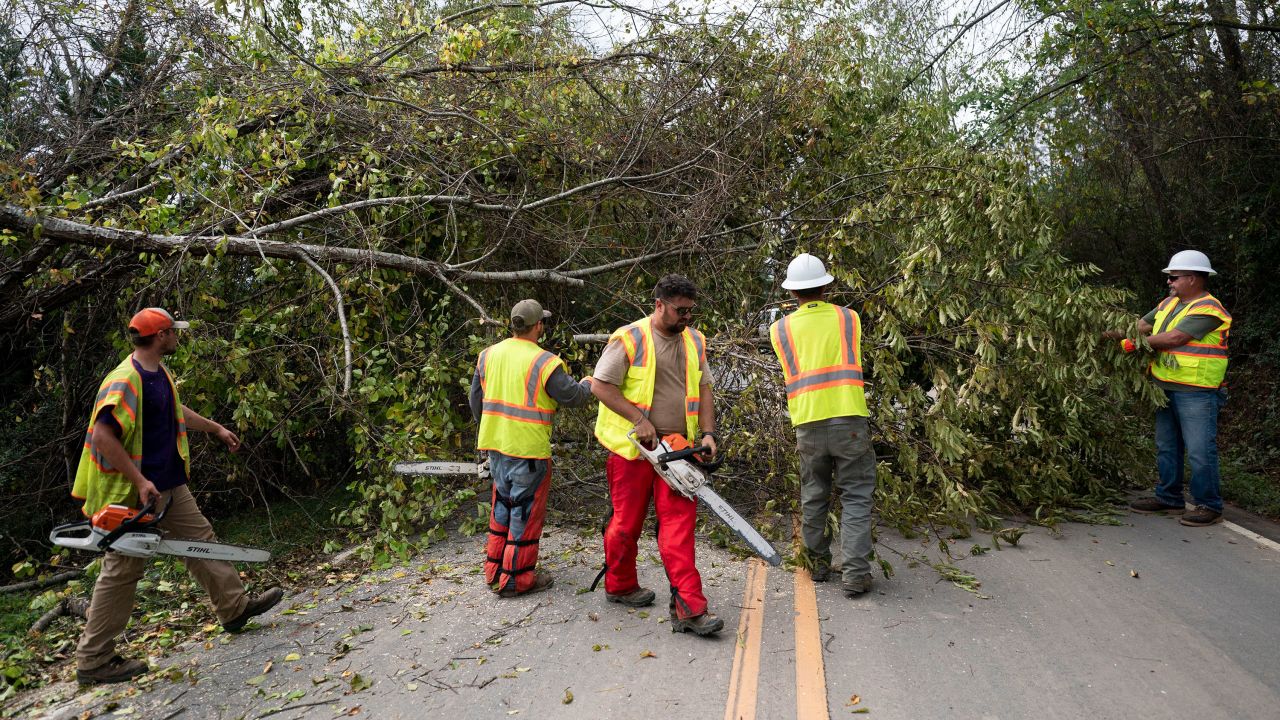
837 451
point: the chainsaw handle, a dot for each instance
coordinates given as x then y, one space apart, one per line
690 454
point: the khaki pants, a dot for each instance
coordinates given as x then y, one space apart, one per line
114 592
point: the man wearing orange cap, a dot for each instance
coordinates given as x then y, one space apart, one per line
128 462
515 392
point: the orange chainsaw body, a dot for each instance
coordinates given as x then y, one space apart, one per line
110 517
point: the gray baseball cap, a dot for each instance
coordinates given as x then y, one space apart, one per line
527 313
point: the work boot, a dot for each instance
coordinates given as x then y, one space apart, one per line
541 581
257 605
818 564
1154 506
1201 517
703 625
856 586
640 597
115 670
821 572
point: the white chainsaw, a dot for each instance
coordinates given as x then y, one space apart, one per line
134 533
679 465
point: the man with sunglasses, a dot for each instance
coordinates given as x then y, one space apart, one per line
653 378
1188 331
135 452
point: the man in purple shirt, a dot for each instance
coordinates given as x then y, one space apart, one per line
135 451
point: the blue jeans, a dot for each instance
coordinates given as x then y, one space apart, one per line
1189 424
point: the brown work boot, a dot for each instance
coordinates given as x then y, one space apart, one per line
821 572
704 624
640 597
1154 506
1201 517
115 670
541 581
856 586
257 605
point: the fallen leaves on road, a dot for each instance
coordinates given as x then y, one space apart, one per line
1133 573
648 654
359 682
568 697
854 699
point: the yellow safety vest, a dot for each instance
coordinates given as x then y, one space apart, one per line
1201 363
517 411
97 483
642 374
821 362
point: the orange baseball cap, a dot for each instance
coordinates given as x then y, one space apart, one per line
150 321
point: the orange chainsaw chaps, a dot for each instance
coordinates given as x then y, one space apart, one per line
110 517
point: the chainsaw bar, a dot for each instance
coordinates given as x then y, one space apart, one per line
739 525
212 550
419 467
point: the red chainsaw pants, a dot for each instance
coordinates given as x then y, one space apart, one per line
520 488
631 484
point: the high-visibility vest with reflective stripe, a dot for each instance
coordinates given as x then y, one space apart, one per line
99 484
818 346
642 374
517 411
1199 363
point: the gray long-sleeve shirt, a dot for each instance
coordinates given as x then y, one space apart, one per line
560 386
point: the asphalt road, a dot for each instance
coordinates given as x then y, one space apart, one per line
1148 619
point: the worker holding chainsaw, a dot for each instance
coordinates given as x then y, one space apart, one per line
818 346
652 380
515 391
136 453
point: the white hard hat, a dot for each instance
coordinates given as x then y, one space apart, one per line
1190 260
806 272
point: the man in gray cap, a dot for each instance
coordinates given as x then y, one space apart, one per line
515 392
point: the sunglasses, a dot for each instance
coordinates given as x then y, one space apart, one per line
683 311
1175 278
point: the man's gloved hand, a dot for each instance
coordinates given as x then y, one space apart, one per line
482 469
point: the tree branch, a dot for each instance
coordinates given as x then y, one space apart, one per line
67 231
43 583
342 320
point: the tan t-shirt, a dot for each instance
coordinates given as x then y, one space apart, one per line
667 414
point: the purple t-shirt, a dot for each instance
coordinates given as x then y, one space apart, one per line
161 463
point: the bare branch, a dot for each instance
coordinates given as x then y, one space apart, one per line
67 231
342 319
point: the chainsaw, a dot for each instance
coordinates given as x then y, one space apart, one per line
684 469
134 533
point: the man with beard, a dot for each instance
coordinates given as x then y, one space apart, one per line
653 378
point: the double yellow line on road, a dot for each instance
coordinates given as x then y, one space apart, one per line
811 679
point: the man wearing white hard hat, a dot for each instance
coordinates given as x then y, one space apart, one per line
1187 332
819 347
